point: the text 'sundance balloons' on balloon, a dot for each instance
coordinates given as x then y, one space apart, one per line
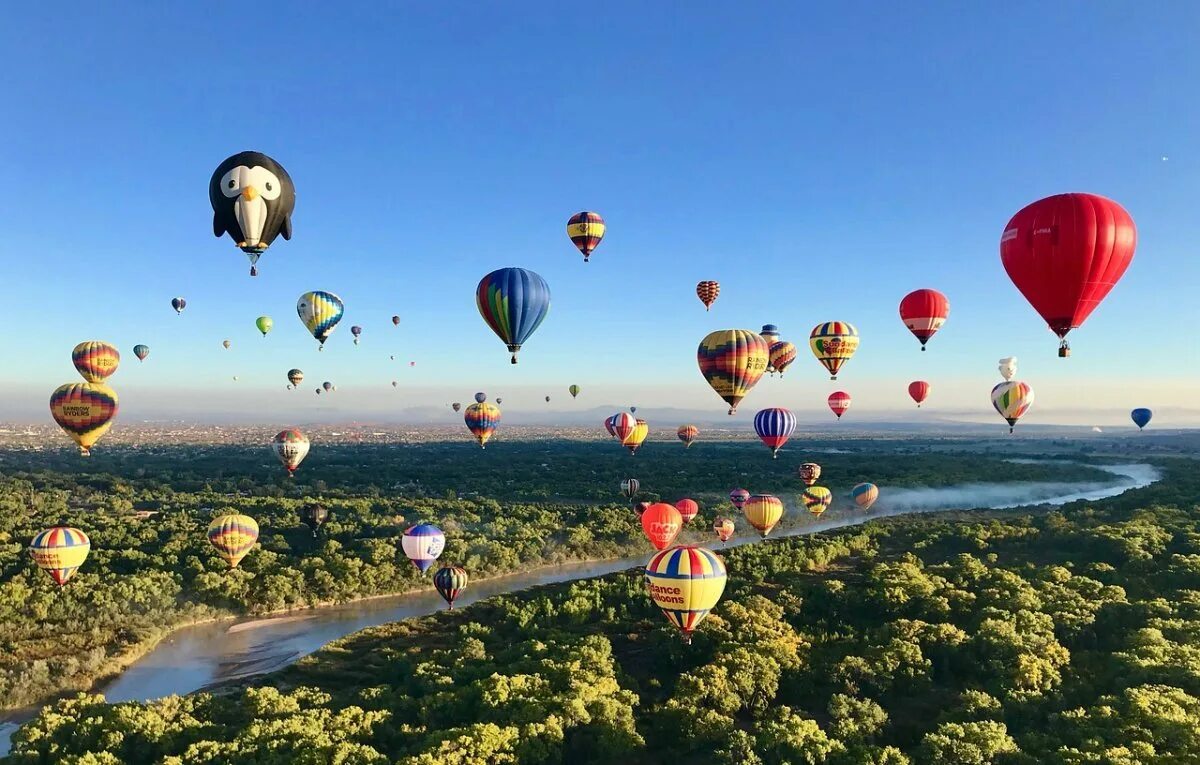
687 434
809 473
763 512
95 360
60 551
252 199
782 354
84 411
291 447
816 499
423 543
1141 417
1012 399
919 391
586 229
686 582
774 427
513 302
630 486
708 291
450 581
924 312
233 536
636 437
833 343
724 528
688 509
1008 367
738 498
141 351
320 312
178 304
264 324
839 401
732 362
1065 253
481 419
864 495
661 523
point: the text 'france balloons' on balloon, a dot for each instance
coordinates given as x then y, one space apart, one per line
774 427
782 354
586 229
291 447
264 324
686 582
687 434
450 581
630 486
1141 417
60 551
1065 253
708 291
513 302
314 516
924 312
574 391
141 351
84 411
732 362
809 473
320 312
724 528
918 390
1008 367
178 304
481 419
295 376
635 439
423 543
763 512
688 509
816 499
252 199
833 343
233 536
95 360
864 495
738 498
661 523
839 401
1012 399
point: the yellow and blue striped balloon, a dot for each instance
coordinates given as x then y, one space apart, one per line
833 343
95 360
60 551
320 312
686 582
233 535
84 411
482 419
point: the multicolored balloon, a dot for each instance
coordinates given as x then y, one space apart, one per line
95 360
839 401
924 312
513 302
233 536
688 509
264 324
610 425
423 543
919 391
782 354
833 343
732 361
708 291
295 377
450 581
738 497
687 434
864 495
1008 367
623 424
252 199
178 304
60 551
586 229
1141 417
724 528
774 427
636 437
291 447
816 499
320 312
686 582
481 419
661 523
141 351
84 411
763 512
1012 399
809 473
574 390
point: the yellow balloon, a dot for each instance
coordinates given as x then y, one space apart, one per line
686 582
84 411
233 535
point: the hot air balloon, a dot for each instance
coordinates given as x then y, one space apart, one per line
732 361
816 499
662 523
738 497
586 229
396 321
513 302
809 472
839 401
708 291
264 324
141 351
60 551
1065 253
85 411
328 386
314 516
763 512
178 304
95 360
833 343
919 391
688 509
774 427
547 399
499 401
608 425
924 312
1141 417
295 377
234 536
782 354
686 582
480 397
423 543
449 581
770 333
318 391
456 406
623 424
724 527
482 419
252 199
226 343
633 410
320 312
357 332
291 447
687 434
630 486
635 438
1012 399
864 495
394 384
574 390
1008 367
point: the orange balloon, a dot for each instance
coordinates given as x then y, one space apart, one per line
662 523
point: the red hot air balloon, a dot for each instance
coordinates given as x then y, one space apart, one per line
662 523
688 509
623 424
1065 253
839 402
923 312
919 390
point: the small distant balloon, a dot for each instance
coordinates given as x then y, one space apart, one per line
1008 367
480 397
357 332
1141 417
264 324
178 304
226 343
141 351
586 229
708 291
396 321
574 390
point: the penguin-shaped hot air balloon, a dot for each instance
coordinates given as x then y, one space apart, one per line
252 198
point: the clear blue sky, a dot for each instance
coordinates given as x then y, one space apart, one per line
819 162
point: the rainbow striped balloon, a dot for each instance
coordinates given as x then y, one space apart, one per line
60 551
1012 399
586 229
95 360
783 353
732 361
482 419
233 535
85 411
686 582
450 581
816 499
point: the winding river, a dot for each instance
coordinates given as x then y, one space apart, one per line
194 658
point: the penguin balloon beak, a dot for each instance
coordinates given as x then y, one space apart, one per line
250 193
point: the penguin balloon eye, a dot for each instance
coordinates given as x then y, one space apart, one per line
231 182
266 182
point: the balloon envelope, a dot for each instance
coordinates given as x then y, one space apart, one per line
320 312
816 499
732 362
291 447
661 523
423 543
1141 417
686 582
586 229
141 351
809 472
833 343
1008 367
688 509
1012 399
724 527
450 581
738 497
513 302
264 324
774 427
60 551
233 536
839 401
84 411
252 198
481 419
708 291
95 360
918 390
763 512
924 312
687 434
864 495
